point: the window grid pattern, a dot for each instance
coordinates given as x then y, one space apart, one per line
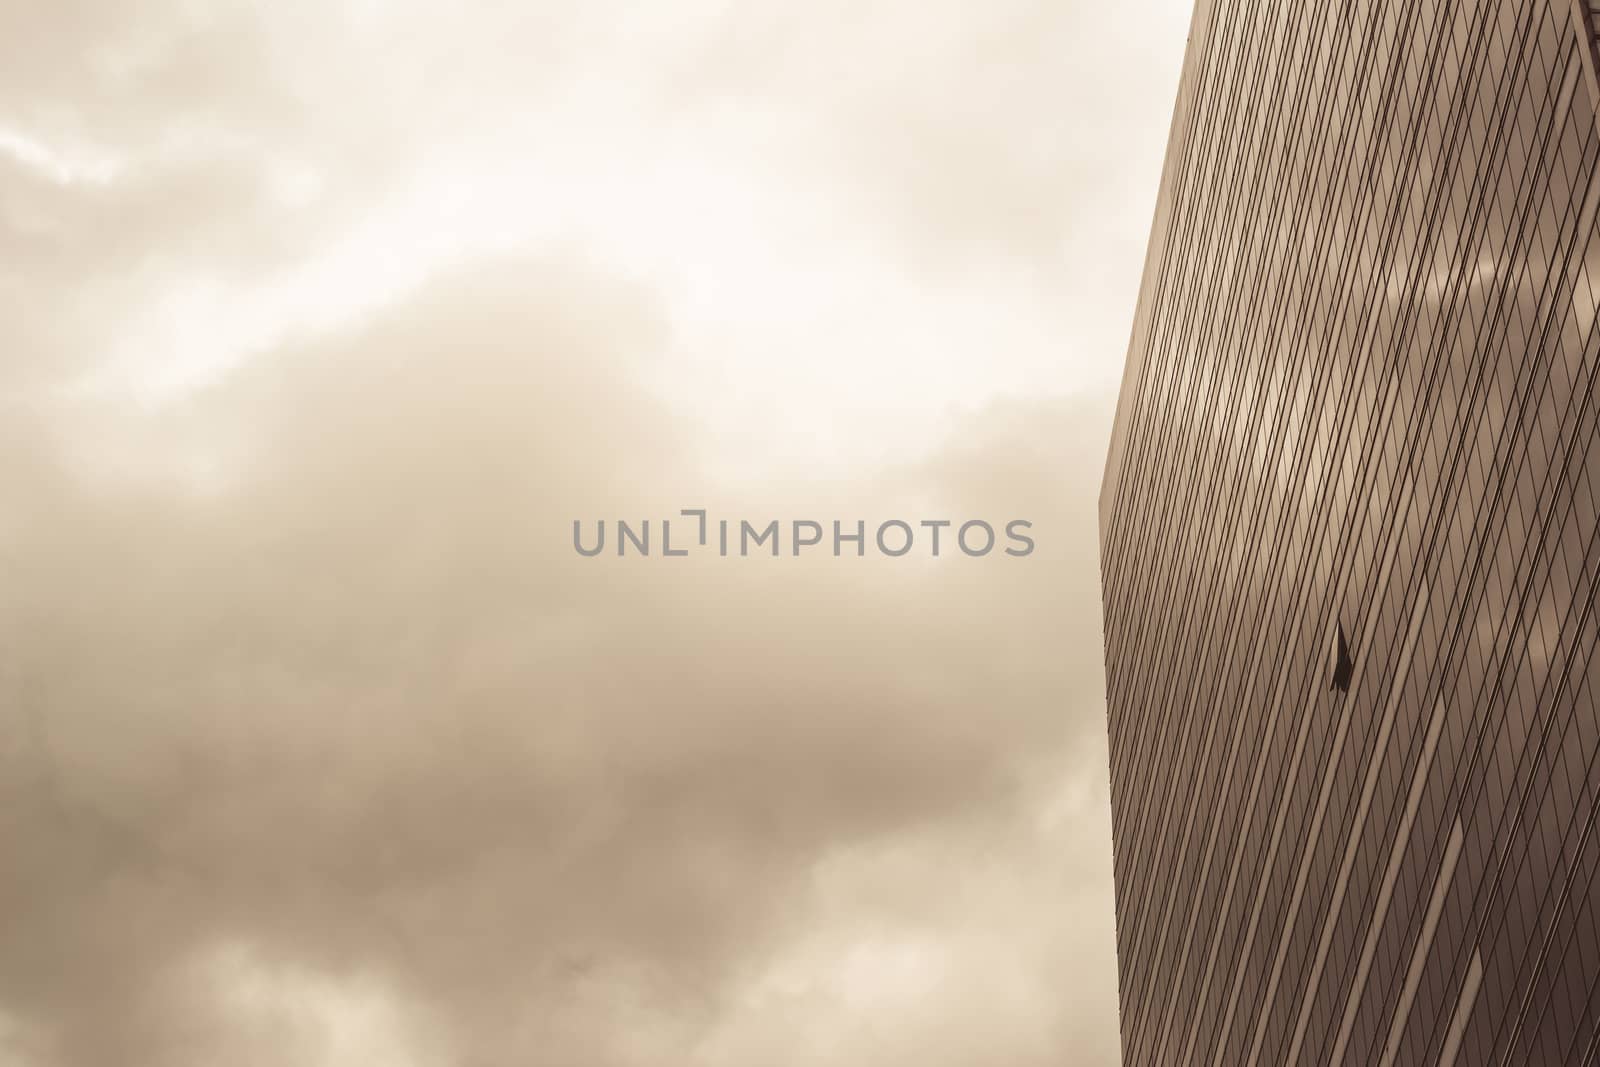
1361 390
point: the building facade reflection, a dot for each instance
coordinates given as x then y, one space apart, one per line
1360 397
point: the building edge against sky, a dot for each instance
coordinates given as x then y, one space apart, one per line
1360 401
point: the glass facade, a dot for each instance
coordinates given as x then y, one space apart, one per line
1361 396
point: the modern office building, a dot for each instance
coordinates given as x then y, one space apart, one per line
1349 555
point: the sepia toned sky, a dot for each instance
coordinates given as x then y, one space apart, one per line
323 321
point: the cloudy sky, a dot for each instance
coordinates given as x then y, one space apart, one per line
323 321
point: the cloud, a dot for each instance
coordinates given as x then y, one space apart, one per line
354 705
318 743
